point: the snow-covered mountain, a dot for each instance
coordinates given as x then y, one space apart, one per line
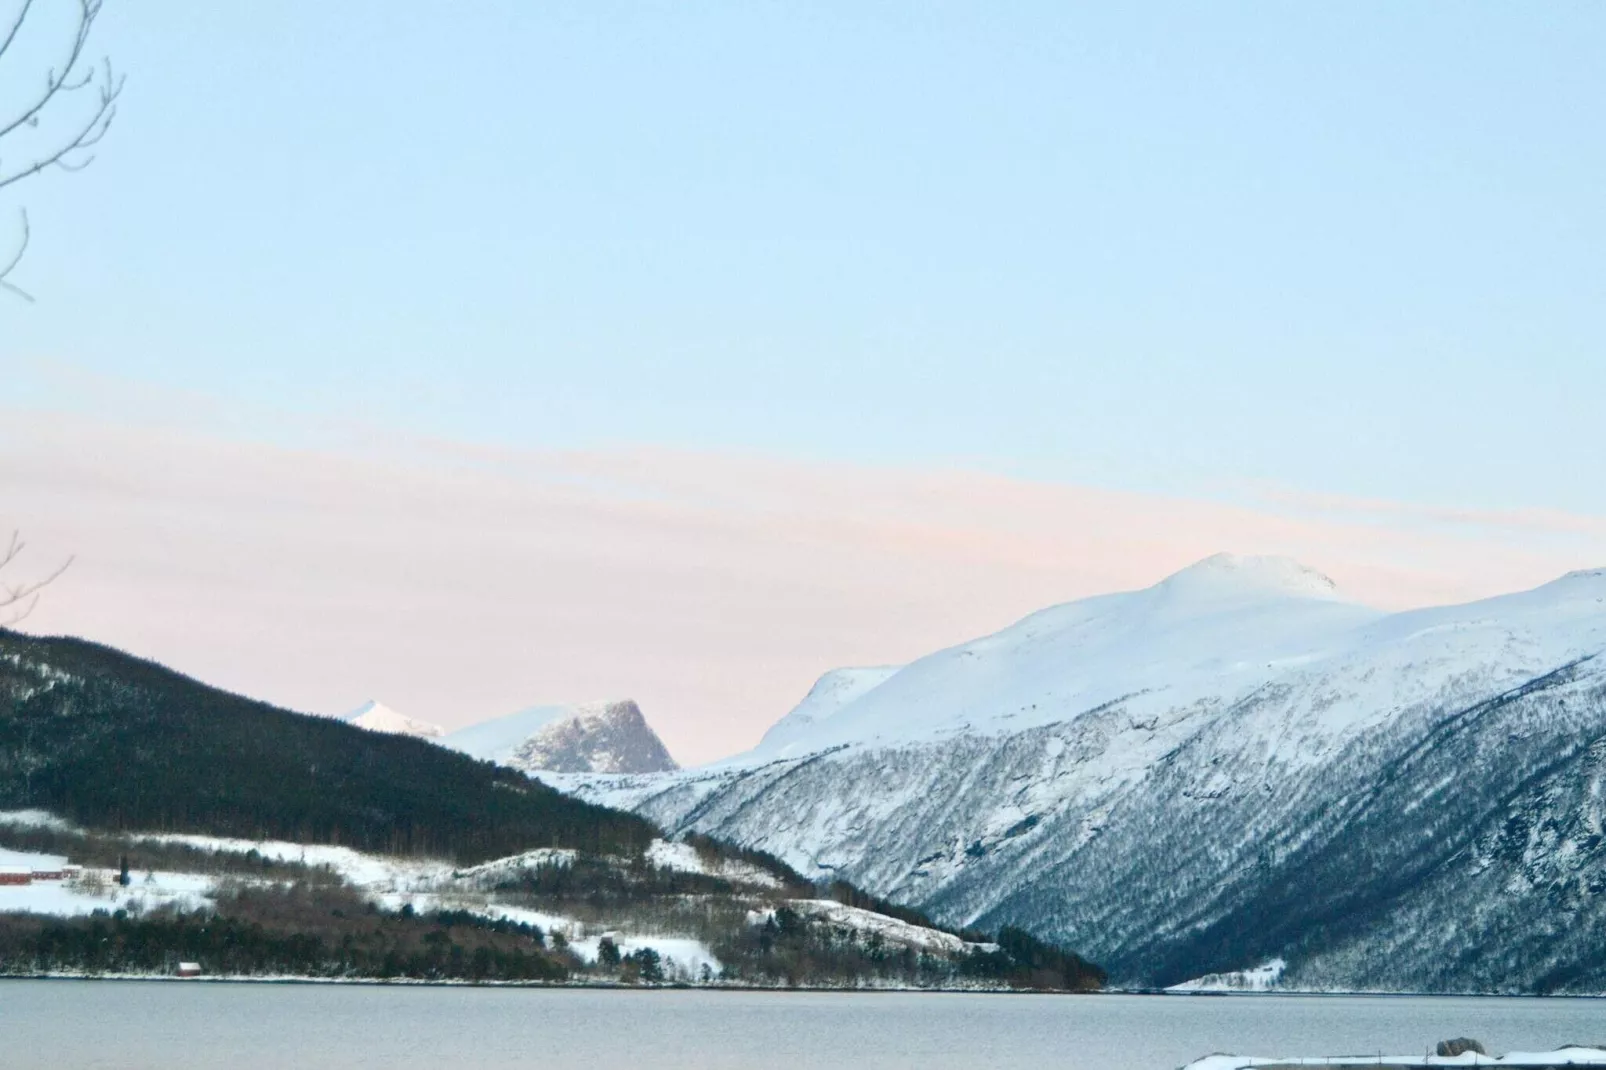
377 717
595 737
826 698
1233 766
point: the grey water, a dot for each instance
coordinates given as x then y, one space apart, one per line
179 1026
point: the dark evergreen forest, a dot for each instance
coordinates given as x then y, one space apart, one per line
113 742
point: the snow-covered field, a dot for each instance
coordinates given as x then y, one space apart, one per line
98 889
371 872
683 958
1260 979
1572 1056
391 883
672 854
895 932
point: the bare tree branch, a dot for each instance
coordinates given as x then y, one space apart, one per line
22 248
70 149
58 78
17 600
16 25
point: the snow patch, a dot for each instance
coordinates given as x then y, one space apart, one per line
36 819
682 957
1571 1056
892 930
502 868
684 858
368 871
97 889
1260 979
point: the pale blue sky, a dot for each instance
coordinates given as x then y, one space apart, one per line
1185 248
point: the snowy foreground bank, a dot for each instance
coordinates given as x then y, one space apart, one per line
1527 1060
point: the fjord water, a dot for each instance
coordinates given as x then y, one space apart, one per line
190 1026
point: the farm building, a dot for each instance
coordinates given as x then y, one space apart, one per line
18 868
61 874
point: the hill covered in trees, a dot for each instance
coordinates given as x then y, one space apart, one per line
113 742
147 767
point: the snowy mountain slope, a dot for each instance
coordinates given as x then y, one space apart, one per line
496 740
830 693
1229 767
377 717
597 737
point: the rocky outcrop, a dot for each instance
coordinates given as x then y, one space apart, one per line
601 737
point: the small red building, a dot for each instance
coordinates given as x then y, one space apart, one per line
15 875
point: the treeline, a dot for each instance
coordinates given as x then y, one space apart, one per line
117 743
296 931
108 851
714 850
792 946
795 949
1023 961
852 895
798 886
605 882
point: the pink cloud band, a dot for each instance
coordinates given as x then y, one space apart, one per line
458 582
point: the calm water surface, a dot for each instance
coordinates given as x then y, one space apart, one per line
134 1026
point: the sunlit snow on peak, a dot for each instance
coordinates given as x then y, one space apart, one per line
1246 576
377 717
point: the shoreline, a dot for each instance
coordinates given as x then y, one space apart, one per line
591 985
594 985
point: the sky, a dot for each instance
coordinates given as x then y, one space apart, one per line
686 351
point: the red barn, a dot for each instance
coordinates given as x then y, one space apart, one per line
15 875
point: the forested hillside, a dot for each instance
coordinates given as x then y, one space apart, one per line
111 741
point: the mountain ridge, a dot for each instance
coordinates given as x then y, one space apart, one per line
1194 751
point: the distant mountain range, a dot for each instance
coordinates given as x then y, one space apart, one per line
1231 767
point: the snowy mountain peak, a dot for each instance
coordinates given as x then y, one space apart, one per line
830 693
1579 577
1246 576
377 717
588 737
